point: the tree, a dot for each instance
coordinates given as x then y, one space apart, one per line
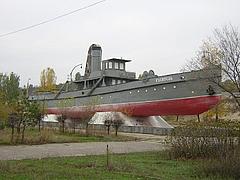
5 109
3 113
62 118
218 111
48 80
63 106
108 122
202 60
9 87
89 111
117 122
223 49
9 92
12 118
41 114
24 113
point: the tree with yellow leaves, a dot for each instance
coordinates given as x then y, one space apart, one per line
219 111
48 80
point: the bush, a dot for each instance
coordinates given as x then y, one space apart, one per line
218 145
2 125
201 141
45 136
228 166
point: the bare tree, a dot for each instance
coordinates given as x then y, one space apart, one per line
64 105
89 111
117 122
206 57
223 49
108 121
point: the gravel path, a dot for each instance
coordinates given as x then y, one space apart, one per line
75 149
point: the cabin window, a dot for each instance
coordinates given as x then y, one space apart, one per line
124 81
119 82
110 65
116 65
113 81
121 66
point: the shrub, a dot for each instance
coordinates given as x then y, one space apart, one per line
2 125
200 141
218 144
45 136
228 166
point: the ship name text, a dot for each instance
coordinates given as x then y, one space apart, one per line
167 78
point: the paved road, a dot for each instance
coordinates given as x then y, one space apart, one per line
75 149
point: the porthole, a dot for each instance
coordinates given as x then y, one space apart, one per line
174 87
110 96
130 92
164 88
138 91
193 92
182 77
146 90
82 93
101 97
154 89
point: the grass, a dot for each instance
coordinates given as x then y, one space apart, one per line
32 136
150 165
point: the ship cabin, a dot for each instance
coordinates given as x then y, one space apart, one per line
100 73
113 72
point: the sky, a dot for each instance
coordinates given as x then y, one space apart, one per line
155 34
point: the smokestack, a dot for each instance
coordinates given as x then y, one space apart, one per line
94 59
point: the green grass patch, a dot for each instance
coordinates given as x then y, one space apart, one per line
149 165
32 136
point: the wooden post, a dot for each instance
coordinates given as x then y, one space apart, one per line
74 125
177 118
63 125
216 117
198 118
107 157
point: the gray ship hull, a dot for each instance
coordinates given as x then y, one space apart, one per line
175 94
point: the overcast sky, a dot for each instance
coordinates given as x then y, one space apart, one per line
155 34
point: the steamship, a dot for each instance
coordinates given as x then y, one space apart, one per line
106 86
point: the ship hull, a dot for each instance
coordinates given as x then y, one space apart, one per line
178 106
189 93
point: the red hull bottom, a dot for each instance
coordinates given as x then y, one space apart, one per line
183 106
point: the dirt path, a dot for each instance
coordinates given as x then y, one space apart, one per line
146 137
75 149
